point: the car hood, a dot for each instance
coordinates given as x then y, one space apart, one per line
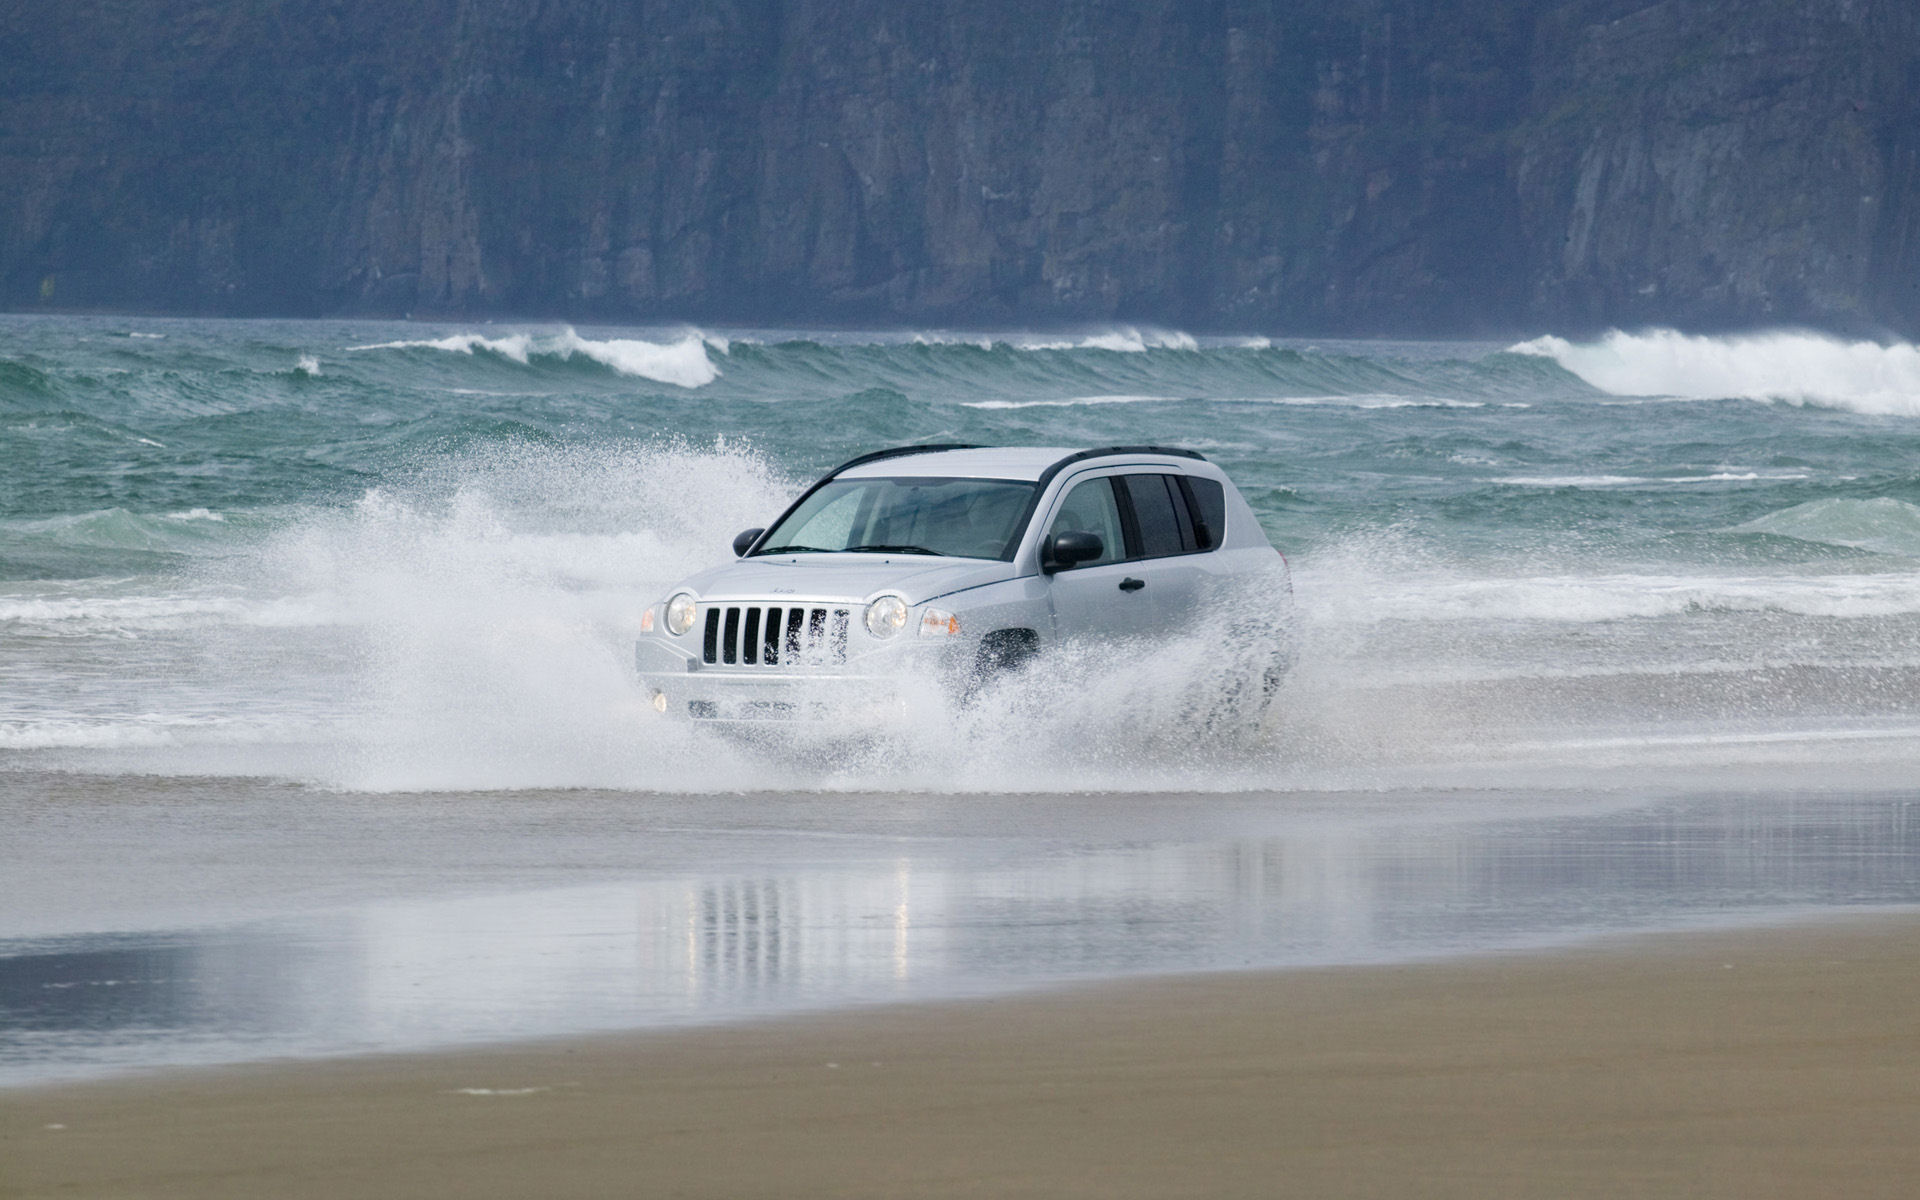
844 577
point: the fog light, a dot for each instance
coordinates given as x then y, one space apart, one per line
660 702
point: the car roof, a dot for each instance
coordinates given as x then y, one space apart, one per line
994 462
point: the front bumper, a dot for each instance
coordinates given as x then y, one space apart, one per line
871 690
852 701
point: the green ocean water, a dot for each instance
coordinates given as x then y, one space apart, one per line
398 555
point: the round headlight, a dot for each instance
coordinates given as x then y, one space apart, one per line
680 614
886 616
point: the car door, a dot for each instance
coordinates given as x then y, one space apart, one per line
1102 599
1164 549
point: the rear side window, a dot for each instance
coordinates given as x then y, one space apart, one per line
1208 501
1161 514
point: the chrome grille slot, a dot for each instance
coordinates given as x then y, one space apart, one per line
775 635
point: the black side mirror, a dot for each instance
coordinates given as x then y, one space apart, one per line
744 540
1072 548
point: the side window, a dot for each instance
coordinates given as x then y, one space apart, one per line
1209 503
1161 515
1090 506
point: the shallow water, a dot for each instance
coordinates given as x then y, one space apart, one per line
380 555
230 921
318 731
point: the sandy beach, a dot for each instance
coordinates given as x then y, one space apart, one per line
1776 1062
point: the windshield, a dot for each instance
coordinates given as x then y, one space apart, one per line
963 518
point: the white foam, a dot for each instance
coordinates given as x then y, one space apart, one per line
1356 401
68 615
1363 400
1796 368
138 731
480 1091
308 365
1124 340
1601 481
1072 402
682 363
935 338
1576 599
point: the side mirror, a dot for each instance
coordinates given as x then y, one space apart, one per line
1072 548
744 540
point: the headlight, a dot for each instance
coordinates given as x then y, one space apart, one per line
938 622
886 616
680 614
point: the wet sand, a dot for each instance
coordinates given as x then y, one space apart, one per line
1782 1062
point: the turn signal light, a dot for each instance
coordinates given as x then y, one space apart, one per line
938 622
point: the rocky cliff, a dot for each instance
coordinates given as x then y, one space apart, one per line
1311 165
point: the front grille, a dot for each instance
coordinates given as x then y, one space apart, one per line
775 635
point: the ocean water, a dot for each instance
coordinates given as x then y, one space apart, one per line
398 556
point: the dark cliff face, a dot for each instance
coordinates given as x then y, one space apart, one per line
1341 165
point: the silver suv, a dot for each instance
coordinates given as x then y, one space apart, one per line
964 563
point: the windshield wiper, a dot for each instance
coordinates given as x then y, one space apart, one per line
876 548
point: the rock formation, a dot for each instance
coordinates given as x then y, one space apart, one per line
1425 166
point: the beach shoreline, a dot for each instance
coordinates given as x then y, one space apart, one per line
1770 1061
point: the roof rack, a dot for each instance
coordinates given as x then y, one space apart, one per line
899 452
1047 475
1176 451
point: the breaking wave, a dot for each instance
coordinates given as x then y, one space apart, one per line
1125 339
682 363
1796 368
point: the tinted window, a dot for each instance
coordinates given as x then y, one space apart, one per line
1158 516
1090 507
1209 510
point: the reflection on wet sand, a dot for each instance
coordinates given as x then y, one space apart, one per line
924 919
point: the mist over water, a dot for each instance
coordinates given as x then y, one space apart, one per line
383 556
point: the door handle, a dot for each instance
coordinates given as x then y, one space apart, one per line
1131 584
